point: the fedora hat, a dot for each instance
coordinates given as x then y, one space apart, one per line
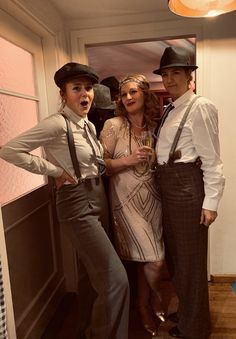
175 57
102 97
73 70
111 82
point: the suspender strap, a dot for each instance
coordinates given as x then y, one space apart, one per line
179 131
71 145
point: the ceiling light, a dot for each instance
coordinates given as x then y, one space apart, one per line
201 8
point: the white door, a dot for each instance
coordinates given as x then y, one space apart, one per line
29 224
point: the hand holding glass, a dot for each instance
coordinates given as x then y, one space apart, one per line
147 141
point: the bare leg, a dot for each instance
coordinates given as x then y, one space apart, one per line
144 306
153 273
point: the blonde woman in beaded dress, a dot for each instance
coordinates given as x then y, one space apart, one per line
136 206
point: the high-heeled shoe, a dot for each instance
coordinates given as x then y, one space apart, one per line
160 315
148 320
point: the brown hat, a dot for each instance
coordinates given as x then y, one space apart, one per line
175 57
102 97
74 70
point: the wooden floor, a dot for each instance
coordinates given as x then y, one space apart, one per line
223 314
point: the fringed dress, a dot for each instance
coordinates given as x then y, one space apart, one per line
134 198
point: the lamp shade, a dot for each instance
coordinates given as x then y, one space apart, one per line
201 8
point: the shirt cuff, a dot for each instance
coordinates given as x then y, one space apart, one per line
210 204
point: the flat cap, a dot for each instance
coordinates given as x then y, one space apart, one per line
73 70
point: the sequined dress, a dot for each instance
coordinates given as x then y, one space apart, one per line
135 202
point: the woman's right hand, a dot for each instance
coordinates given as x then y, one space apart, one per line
63 178
140 155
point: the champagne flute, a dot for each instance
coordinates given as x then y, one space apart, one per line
147 142
147 138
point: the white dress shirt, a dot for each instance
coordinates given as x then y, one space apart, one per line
51 134
199 137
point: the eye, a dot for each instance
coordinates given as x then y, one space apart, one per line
133 91
77 88
88 88
123 95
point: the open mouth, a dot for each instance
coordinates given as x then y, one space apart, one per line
84 103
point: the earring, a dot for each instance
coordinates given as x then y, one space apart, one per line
63 102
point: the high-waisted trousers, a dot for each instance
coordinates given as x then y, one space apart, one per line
103 289
182 193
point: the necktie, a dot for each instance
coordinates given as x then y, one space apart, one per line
91 137
163 118
92 141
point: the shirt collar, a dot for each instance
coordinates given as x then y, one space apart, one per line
185 97
75 117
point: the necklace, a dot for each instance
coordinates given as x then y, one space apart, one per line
137 126
143 170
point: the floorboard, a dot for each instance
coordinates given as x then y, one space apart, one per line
222 305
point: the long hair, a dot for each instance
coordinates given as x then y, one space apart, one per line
151 104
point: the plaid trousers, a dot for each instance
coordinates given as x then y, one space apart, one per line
182 193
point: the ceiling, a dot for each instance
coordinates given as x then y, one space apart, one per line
123 58
132 58
82 9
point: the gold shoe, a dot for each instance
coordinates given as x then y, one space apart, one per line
161 316
150 330
148 321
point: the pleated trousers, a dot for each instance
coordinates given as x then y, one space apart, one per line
182 193
103 289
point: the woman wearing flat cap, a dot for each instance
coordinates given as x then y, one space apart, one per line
189 174
75 163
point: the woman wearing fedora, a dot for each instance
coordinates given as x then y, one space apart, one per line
74 159
189 175
135 203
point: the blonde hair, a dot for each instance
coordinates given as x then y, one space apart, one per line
151 104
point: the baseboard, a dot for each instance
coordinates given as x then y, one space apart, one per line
223 278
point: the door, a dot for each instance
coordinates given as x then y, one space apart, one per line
30 227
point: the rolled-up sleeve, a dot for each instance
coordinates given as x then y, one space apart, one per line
17 151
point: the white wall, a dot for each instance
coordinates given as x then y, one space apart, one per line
220 72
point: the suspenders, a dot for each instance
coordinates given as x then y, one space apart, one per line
98 160
173 155
71 145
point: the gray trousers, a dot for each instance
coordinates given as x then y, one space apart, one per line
103 284
182 194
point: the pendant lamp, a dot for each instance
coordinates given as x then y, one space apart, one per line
201 8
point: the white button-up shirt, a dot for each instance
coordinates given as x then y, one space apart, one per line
199 137
51 134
